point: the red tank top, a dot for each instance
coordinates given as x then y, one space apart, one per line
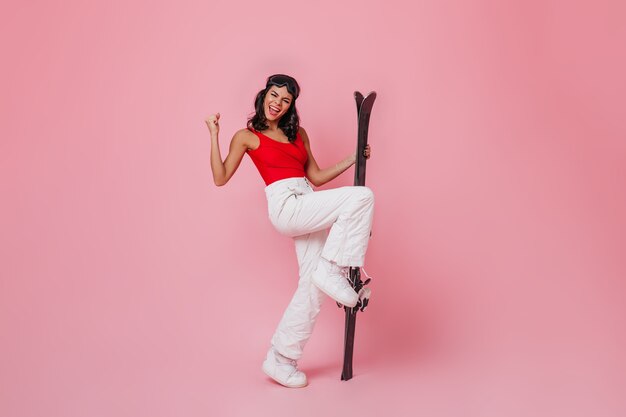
278 160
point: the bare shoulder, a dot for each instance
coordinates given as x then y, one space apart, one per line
245 137
303 134
244 133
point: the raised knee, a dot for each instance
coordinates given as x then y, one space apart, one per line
366 194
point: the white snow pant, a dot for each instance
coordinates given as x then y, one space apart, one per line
334 224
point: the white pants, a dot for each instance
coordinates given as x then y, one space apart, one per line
333 224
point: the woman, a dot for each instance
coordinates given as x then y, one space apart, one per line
330 228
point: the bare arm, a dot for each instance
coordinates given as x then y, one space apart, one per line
223 171
320 176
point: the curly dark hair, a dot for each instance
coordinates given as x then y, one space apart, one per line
290 121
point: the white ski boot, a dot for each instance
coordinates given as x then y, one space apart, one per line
283 370
333 281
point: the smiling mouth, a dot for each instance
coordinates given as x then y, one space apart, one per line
273 111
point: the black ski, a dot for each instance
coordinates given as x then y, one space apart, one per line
359 100
364 109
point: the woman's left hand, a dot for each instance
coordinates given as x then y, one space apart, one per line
367 152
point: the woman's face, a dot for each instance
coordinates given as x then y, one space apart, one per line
277 102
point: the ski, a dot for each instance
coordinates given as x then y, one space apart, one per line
358 97
364 109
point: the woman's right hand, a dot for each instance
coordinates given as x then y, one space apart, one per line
213 123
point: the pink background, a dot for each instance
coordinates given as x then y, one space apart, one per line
132 286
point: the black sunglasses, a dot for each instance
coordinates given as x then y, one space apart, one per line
280 80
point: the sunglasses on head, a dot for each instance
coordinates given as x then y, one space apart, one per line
280 80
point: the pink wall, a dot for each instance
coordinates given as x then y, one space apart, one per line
130 285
